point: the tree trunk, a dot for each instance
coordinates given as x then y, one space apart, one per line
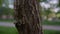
59 3
27 17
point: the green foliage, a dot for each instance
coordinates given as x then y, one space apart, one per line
11 12
6 2
47 12
42 0
6 11
1 1
58 14
38 0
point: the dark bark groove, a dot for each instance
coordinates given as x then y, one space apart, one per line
27 17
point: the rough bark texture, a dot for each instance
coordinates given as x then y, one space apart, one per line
27 17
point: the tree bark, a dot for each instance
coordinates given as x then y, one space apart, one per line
27 17
59 3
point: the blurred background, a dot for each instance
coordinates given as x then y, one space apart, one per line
6 10
50 13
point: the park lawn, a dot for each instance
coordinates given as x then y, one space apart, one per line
51 32
12 30
8 30
6 20
46 22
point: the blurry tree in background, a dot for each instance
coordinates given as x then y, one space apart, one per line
1 2
50 7
47 12
4 4
4 9
58 14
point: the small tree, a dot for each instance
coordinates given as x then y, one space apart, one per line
27 17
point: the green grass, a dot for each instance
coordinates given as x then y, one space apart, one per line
12 30
8 30
51 32
46 22
6 20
